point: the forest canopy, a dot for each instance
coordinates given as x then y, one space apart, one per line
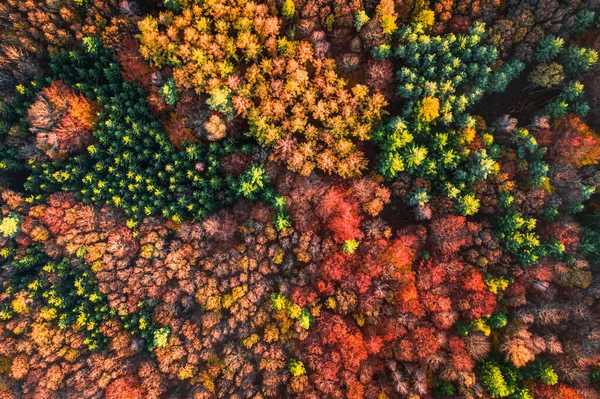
362 199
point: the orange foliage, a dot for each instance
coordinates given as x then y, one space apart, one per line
124 388
177 131
63 120
570 141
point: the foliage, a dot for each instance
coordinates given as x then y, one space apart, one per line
9 227
303 199
170 92
133 166
284 91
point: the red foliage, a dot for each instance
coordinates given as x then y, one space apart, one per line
565 231
475 305
62 120
558 391
341 336
570 141
336 267
124 388
341 215
135 67
472 280
448 234
177 131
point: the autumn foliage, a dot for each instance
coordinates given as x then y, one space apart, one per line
304 199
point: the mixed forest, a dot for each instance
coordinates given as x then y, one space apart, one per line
316 199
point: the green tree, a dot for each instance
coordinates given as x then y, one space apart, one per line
498 379
169 91
360 19
549 47
578 60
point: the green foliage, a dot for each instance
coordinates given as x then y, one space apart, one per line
282 222
570 99
468 204
160 338
133 165
499 379
83 5
549 47
522 393
518 236
589 245
251 182
585 19
443 389
571 63
496 320
69 294
540 370
596 377
547 375
169 90
382 51
360 20
91 44
441 77
502 379
517 231
454 69
419 197
171 4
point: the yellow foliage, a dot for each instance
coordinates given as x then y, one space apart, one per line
278 257
207 381
426 18
213 302
468 135
227 301
428 109
39 233
360 319
5 364
388 24
271 333
249 341
186 372
48 314
97 266
71 355
147 251
19 304
480 325
294 311
239 292
330 303
9 226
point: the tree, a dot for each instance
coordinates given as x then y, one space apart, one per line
499 381
124 387
547 75
288 10
578 60
549 47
